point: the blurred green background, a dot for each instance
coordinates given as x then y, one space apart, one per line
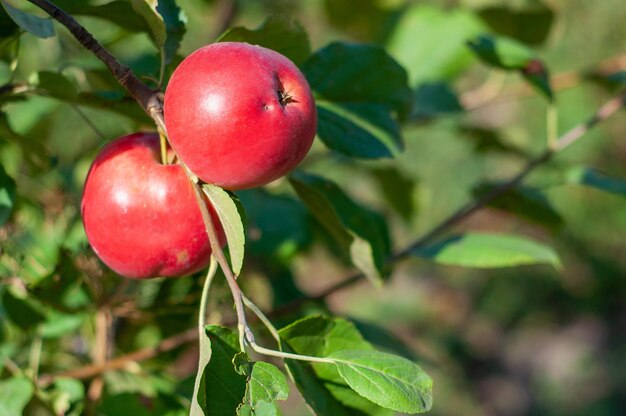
514 341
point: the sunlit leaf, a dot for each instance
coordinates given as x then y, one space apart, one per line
320 384
388 380
232 224
15 394
430 42
489 251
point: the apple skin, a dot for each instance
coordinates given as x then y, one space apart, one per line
140 216
226 120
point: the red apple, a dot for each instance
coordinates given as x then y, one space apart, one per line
140 216
239 115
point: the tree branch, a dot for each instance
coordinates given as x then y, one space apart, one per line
150 100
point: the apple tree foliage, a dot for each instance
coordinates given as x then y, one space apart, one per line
386 71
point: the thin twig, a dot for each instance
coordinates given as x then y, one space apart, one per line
145 96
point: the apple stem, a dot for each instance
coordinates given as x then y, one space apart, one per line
163 141
245 334
268 324
205 296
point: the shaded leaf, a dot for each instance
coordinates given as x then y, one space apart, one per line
595 179
509 54
529 22
434 99
360 232
486 139
222 388
488 251
355 103
40 27
430 42
265 236
20 311
358 130
7 195
119 12
230 218
524 202
382 338
8 27
54 84
365 20
320 384
398 190
388 380
342 72
15 393
167 24
287 37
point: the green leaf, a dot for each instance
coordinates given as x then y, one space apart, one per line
287 37
15 393
35 25
230 218
55 85
388 380
509 54
266 383
365 131
365 20
167 24
204 356
355 103
119 12
489 251
354 81
430 42
222 388
595 179
261 409
528 21
361 233
21 311
434 99
33 250
524 202
398 190
7 196
264 235
8 29
320 384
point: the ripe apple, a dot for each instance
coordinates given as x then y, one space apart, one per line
140 216
239 115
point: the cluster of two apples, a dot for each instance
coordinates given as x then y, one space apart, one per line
239 116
